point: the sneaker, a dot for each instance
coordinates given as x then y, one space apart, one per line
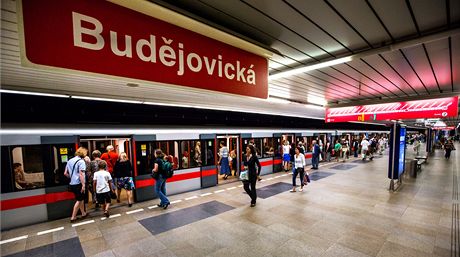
301 189
292 190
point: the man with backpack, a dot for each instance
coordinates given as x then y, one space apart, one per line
162 170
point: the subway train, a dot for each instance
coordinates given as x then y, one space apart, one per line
42 155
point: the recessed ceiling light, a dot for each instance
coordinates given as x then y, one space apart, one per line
132 85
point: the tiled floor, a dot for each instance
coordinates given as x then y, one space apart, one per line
344 212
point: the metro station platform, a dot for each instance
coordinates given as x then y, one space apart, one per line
346 210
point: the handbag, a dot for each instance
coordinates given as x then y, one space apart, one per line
306 178
244 175
69 187
113 195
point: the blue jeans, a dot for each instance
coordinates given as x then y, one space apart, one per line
315 161
300 172
160 189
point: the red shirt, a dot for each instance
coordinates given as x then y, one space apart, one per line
110 161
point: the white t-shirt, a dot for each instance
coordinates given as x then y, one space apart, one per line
365 144
286 149
299 161
102 179
223 152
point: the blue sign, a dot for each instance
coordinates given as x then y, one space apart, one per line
402 150
398 148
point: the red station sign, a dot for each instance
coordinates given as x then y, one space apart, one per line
105 38
433 108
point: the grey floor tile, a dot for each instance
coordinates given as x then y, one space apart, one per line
69 248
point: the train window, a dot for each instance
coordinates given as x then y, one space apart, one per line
170 148
27 167
256 142
191 154
207 155
268 149
60 155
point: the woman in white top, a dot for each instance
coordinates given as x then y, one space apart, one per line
364 147
299 168
286 156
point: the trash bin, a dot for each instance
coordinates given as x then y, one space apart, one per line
413 168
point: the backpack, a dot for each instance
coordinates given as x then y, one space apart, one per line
373 144
167 169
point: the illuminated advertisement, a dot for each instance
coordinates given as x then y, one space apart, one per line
432 108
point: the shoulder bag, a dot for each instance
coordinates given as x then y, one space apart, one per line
69 188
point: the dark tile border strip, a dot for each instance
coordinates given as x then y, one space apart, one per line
179 218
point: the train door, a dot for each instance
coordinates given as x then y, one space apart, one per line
120 144
234 158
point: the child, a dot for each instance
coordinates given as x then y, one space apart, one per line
102 182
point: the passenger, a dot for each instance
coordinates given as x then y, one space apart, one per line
321 149
302 148
93 168
110 157
234 163
381 145
123 172
223 161
299 167
372 148
417 145
315 156
355 147
198 153
329 148
337 150
87 160
20 177
364 147
103 185
286 155
185 160
75 170
252 163
448 147
291 156
209 157
344 149
160 179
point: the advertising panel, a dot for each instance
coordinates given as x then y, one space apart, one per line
397 152
105 38
432 108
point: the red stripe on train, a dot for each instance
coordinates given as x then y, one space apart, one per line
35 200
207 173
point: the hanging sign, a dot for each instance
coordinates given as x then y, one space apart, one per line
105 38
432 108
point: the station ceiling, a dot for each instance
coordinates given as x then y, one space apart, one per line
394 50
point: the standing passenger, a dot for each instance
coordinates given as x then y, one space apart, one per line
251 161
364 147
315 156
102 184
160 179
329 148
123 171
110 157
299 167
448 147
198 153
355 147
94 167
286 155
223 161
337 149
75 170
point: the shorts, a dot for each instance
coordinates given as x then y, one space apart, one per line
286 157
76 190
126 183
103 198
